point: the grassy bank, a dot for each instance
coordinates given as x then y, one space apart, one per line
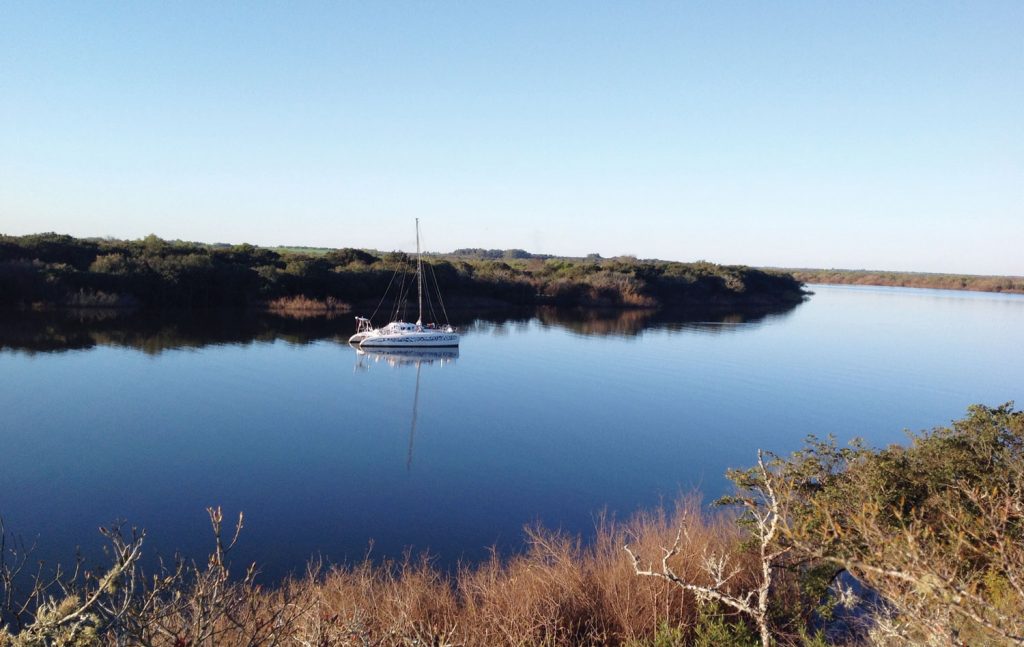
976 283
920 544
50 270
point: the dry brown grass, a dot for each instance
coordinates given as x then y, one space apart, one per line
559 591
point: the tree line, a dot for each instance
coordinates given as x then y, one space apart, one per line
59 270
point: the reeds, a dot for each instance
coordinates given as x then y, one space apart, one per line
301 307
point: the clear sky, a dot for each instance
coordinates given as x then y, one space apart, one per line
884 135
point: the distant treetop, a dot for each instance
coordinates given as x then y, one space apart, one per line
495 254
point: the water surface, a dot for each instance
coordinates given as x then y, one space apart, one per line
542 416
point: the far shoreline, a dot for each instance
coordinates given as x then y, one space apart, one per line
927 280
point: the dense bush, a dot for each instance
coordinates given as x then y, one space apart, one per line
52 269
936 528
933 531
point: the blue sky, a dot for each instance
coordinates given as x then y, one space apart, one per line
882 135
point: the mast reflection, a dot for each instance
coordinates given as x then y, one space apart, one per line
402 357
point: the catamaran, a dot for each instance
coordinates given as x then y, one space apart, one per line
401 334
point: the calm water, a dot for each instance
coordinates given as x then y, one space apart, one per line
547 418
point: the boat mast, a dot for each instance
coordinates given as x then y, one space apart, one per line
419 274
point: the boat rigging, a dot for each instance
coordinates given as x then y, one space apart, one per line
401 334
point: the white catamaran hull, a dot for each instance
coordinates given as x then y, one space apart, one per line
410 340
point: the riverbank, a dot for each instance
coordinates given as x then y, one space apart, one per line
970 282
51 270
930 532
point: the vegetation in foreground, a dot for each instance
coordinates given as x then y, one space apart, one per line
53 270
910 545
974 283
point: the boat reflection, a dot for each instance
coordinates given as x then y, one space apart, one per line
395 357
400 357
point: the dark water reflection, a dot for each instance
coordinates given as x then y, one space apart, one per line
541 415
54 331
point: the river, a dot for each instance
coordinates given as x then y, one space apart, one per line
541 417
